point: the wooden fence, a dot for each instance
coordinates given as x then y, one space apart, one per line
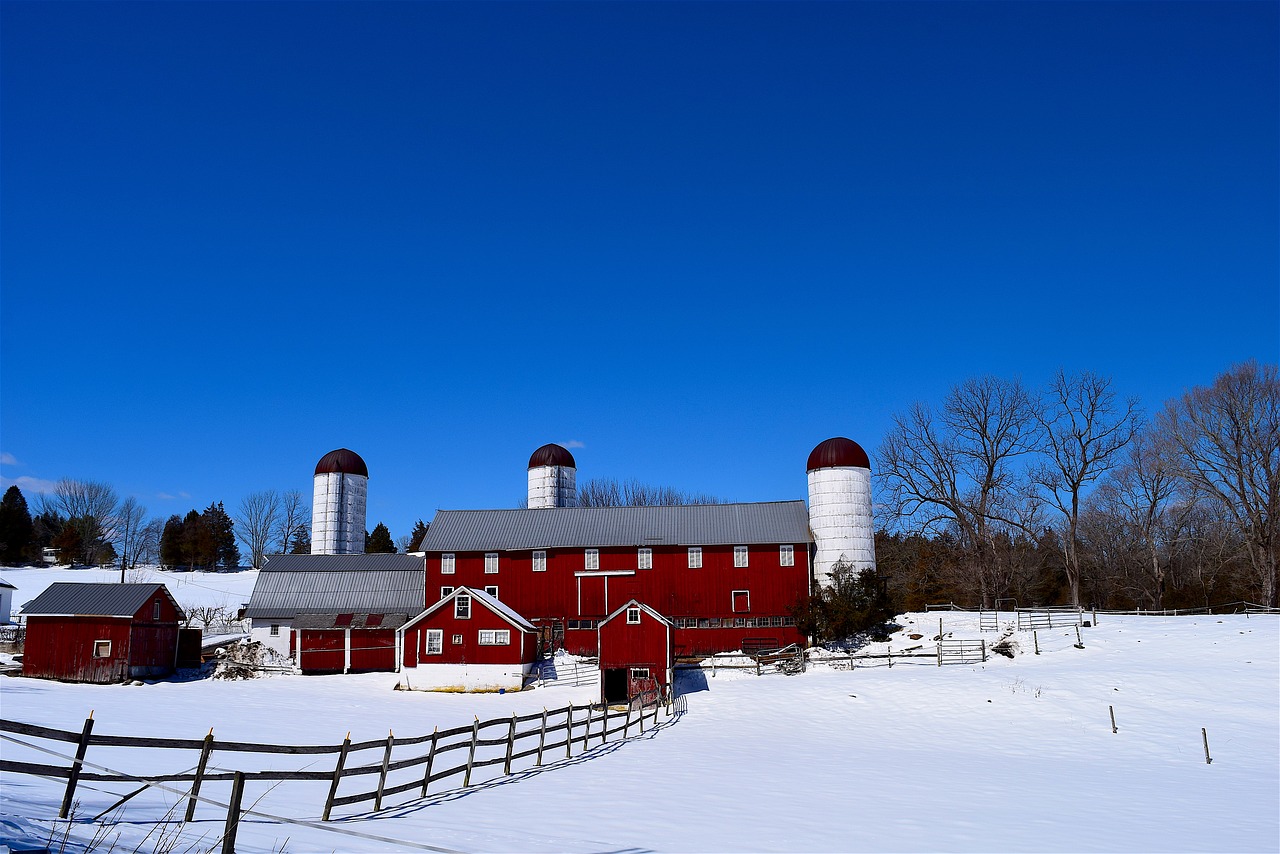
457 753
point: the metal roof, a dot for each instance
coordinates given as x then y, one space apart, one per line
560 527
352 621
289 585
501 609
84 599
6 584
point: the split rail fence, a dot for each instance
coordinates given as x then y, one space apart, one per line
460 752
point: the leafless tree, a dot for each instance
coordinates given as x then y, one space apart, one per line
608 492
956 469
1227 442
1085 428
131 521
148 548
257 522
293 515
91 507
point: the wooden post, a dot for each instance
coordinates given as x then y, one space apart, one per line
74 776
431 756
200 766
382 777
471 755
939 649
1112 709
626 725
1079 643
984 650
337 775
1035 638
233 814
1095 616
604 729
542 736
1205 736
568 734
642 714
889 651
586 733
511 743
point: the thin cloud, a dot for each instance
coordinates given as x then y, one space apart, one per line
28 485
571 444
164 496
7 459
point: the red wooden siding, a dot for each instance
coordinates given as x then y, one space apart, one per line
522 649
373 650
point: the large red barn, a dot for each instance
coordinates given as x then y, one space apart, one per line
636 652
80 632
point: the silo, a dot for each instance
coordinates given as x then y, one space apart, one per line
338 504
553 478
840 507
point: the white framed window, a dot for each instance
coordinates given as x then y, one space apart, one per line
445 591
539 561
275 630
786 555
447 564
462 607
492 590
102 649
639 673
741 601
633 616
644 559
591 559
495 637
435 642
457 640
155 612
739 556
490 563
695 557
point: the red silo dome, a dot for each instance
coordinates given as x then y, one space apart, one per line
838 452
342 461
552 455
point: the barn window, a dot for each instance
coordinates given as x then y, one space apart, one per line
786 556
445 591
155 611
275 630
644 559
435 641
492 590
741 601
490 562
739 556
447 564
495 637
539 561
102 649
592 559
639 673
462 607
457 640
695 557
633 616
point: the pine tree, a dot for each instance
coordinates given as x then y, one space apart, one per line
17 532
69 543
225 552
415 538
171 540
379 542
300 544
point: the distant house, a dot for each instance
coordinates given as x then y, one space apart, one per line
636 652
346 643
6 601
101 632
470 638
292 585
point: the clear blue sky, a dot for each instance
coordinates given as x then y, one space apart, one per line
690 240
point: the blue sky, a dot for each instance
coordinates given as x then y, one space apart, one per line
690 240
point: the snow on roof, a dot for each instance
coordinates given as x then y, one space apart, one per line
484 599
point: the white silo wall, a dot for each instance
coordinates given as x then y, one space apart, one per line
338 514
553 486
840 518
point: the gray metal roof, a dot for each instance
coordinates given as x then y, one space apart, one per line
289 585
85 599
562 527
354 621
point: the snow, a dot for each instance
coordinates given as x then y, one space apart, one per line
1008 755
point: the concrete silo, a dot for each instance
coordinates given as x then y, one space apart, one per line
553 478
338 504
840 507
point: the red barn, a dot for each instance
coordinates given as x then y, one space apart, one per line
636 652
347 643
472 628
101 632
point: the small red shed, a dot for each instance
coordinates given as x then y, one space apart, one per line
469 627
81 632
347 643
636 652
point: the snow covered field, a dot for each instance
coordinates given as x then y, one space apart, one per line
1011 755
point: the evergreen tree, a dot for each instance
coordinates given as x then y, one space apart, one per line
300 544
415 538
379 542
853 602
69 543
198 551
17 532
171 543
222 536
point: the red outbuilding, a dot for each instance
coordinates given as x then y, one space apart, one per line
102 633
347 643
470 627
637 652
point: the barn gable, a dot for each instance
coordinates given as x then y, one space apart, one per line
86 599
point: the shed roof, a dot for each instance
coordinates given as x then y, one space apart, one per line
350 621
86 599
499 608
289 585
6 584
558 527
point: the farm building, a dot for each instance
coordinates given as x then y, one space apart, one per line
6 601
101 632
636 652
470 637
346 643
293 585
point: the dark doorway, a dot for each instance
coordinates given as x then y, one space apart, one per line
615 685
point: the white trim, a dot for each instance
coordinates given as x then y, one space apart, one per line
733 601
604 573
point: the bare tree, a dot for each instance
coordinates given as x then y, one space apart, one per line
1084 430
609 492
1227 442
90 507
148 547
293 515
257 522
955 469
131 520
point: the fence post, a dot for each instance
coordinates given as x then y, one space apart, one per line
1035 638
431 755
382 777
604 729
471 754
642 714
586 733
1112 709
984 650
337 775
233 814
200 766
568 734
1205 735
939 650
542 736
511 743
626 725
74 776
